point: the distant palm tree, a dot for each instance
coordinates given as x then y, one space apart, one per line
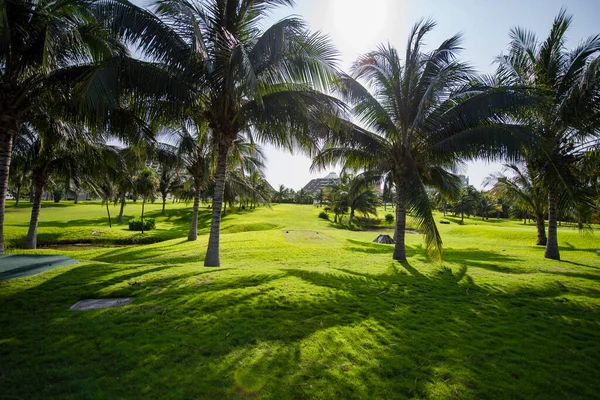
485 205
192 148
465 202
360 194
567 119
424 114
146 183
524 189
23 152
59 148
281 193
104 188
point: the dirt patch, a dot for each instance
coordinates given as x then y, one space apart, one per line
308 237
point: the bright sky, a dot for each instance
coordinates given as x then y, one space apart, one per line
358 26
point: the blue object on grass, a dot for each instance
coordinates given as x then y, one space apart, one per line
19 265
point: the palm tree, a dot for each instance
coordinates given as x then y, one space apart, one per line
466 202
525 190
32 66
246 80
23 151
338 194
568 117
169 182
360 196
59 148
193 151
485 205
146 183
104 188
69 51
423 114
281 193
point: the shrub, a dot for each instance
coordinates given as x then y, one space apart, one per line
324 215
135 224
368 222
389 218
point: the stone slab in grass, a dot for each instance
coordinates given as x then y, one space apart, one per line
97 304
307 237
20 265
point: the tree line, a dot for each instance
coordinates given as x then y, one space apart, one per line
210 76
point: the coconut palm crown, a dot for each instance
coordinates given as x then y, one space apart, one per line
568 117
263 83
416 119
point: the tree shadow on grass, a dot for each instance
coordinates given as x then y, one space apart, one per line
297 333
369 248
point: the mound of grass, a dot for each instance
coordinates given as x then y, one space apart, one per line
281 320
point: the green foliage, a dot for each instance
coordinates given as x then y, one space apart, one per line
324 215
368 222
146 183
135 224
389 218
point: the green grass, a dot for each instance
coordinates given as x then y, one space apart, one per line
292 314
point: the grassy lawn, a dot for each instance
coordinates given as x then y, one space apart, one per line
293 313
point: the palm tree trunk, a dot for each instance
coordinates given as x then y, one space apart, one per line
120 217
552 244
193 234
400 234
6 138
164 197
31 238
18 196
212 258
541 230
108 212
351 217
143 204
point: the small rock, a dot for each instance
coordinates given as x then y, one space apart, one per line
385 239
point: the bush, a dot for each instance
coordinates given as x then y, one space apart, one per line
324 215
367 222
389 218
135 224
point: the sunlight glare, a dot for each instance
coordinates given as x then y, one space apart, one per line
359 22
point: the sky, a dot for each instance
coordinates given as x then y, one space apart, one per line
358 26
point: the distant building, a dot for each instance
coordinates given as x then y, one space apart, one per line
315 185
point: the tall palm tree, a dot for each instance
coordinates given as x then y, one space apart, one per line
421 116
525 190
246 80
568 117
192 148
